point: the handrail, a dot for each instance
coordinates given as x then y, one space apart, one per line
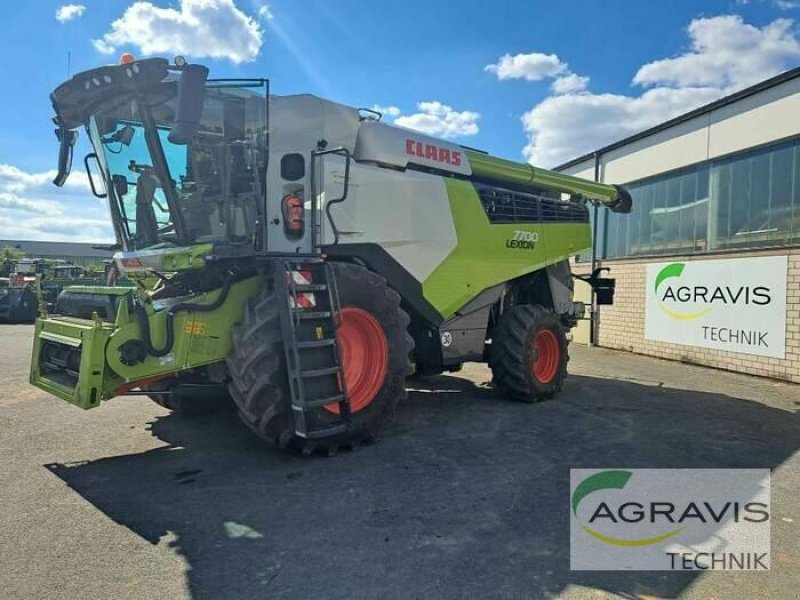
314 227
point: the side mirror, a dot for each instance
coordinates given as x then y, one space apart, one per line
191 90
67 139
125 135
106 125
120 183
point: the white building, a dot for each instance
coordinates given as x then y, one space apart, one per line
719 185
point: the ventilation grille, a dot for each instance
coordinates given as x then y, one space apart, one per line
506 206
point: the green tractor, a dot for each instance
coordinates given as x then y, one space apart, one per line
39 281
297 259
18 298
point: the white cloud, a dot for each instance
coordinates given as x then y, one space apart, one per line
569 84
725 51
536 67
531 67
725 55
564 127
786 4
15 180
9 202
198 28
55 229
32 208
265 13
387 111
103 47
435 118
69 11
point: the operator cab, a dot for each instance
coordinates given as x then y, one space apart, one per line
183 159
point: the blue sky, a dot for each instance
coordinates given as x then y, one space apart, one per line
527 80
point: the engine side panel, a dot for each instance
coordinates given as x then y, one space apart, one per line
390 145
438 230
406 212
490 253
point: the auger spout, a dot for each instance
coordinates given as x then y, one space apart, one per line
614 197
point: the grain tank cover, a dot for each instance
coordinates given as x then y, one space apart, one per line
394 146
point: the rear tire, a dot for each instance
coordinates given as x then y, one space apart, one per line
259 382
23 306
529 354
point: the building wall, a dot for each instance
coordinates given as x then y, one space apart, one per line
766 117
84 255
622 325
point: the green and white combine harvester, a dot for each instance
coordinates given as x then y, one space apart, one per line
298 258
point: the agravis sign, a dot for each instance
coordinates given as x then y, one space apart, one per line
736 305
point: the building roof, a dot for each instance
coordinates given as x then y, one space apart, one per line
34 248
692 114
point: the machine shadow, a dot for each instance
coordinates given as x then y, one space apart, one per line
467 494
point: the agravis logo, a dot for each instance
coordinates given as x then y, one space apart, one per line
672 295
736 305
669 519
604 481
675 270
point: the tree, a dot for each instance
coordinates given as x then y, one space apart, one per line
8 256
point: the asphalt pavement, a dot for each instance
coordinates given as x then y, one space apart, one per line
465 496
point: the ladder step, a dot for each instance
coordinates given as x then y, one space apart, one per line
310 287
326 431
319 372
311 314
323 343
317 402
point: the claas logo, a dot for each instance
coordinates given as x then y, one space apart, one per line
433 152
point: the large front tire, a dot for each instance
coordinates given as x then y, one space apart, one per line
529 354
371 315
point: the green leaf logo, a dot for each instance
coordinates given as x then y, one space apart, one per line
672 270
608 480
605 480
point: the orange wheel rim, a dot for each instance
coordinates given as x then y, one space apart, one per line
547 353
364 351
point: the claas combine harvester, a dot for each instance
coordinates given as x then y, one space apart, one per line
298 258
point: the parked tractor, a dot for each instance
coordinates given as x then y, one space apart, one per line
35 281
18 299
296 258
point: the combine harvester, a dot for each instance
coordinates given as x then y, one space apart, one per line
299 258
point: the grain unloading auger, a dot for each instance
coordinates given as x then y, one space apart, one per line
297 258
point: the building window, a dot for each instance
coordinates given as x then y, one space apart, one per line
670 216
755 197
748 200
